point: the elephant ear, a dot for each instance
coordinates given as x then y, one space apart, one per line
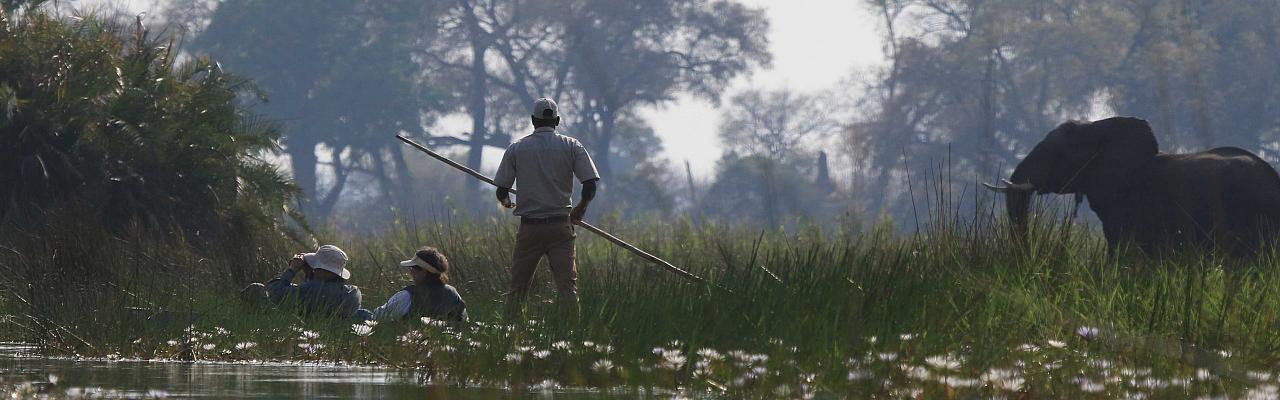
1125 145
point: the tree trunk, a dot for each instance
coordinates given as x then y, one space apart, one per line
770 187
475 154
602 149
302 161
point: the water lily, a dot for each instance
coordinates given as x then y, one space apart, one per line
362 330
1087 332
602 365
709 354
943 362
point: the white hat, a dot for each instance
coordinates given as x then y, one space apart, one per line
417 261
545 108
329 258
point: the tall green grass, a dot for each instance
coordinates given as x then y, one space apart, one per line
842 310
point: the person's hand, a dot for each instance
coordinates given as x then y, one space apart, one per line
507 203
297 264
576 215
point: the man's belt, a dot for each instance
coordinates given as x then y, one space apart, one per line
544 220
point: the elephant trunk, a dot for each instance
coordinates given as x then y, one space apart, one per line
1018 202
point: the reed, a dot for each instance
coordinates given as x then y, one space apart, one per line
954 308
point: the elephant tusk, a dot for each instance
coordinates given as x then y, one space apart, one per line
1021 187
1010 186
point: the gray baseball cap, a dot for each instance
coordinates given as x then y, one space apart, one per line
545 108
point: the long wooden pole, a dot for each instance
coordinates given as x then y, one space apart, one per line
614 239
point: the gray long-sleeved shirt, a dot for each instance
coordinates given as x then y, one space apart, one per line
316 297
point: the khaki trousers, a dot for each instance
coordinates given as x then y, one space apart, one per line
556 242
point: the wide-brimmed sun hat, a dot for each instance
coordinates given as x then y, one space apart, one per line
426 260
329 258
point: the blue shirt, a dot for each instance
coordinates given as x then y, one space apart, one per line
316 297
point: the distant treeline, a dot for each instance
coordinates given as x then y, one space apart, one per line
980 82
968 87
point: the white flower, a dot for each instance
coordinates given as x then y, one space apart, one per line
1003 379
361 330
1056 344
602 365
917 373
561 345
309 335
1203 374
512 358
943 362
1028 347
541 354
673 360
857 375
172 343
245 345
1087 332
709 354
209 347
887 356
1088 385
371 323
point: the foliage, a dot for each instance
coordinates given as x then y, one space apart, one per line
761 191
625 54
601 61
98 119
978 83
341 78
770 165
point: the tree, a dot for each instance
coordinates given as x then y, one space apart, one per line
98 119
507 45
770 135
976 82
341 77
625 54
1194 69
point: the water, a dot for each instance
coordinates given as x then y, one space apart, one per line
144 379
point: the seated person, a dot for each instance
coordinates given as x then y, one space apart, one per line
324 291
430 294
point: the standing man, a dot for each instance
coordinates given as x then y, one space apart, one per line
544 164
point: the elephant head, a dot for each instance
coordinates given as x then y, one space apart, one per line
1096 159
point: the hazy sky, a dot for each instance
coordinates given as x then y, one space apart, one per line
815 44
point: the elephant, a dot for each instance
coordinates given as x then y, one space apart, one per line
1224 200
